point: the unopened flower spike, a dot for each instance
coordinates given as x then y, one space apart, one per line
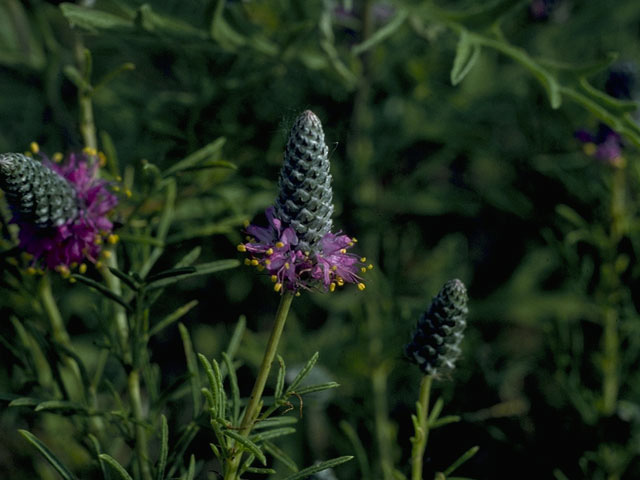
297 248
435 343
60 208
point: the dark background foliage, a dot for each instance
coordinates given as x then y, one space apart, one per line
482 181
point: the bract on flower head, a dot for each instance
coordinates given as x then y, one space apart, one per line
297 248
61 209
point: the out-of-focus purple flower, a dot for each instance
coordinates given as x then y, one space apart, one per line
606 145
57 239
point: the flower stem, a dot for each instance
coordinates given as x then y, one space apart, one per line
253 408
142 451
421 425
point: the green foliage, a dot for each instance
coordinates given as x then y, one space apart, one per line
454 157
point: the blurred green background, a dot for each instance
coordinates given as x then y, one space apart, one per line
481 181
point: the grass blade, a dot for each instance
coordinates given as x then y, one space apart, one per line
306 472
115 466
48 455
192 367
164 448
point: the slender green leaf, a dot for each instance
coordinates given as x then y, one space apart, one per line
60 405
280 455
25 402
102 290
235 390
199 270
467 53
48 455
383 33
185 439
173 272
317 388
151 21
93 19
463 458
164 448
115 466
198 157
247 444
360 451
189 258
127 279
221 397
306 472
275 422
435 410
444 421
281 376
222 32
192 368
608 101
271 434
263 471
191 473
97 450
303 373
75 77
172 317
213 387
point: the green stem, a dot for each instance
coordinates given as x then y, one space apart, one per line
421 428
382 424
142 451
255 400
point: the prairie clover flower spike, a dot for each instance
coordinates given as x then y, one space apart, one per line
297 249
61 209
435 343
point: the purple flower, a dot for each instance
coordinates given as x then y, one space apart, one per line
276 250
605 145
71 239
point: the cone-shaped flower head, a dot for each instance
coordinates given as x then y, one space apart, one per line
435 343
297 248
305 201
61 209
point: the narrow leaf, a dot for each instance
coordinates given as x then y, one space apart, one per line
235 390
247 444
48 455
317 388
467 53
127 279
463 458
275 422
115 466
303 373
191 473
172 317
103 290
97 449
164 448
175 459
263 471
280 455
205 153
383 33
192 367
202 269
435 410
444 421
60 405
25 402
271 434
281 376
319 467
173 272
358 447
92 19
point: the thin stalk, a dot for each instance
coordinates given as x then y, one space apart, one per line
421 425
381 417
255 400
142 450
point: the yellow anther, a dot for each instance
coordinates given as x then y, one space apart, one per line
31 271
113 238
28 154
277 287
255 262
340 281
287 266
363 269
306 254
116 188
334 267
57 157
35 148
354 239
260 268
370 266
97 240
118 178
127 193
82 268
363 259
279 245
590 148
241 248
247 261
245 223
297 294
351 244
361 286
106 253
267 262
90 151
72 280
269 252
74 264
274 278
343 250
332 286
102 159
98 264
